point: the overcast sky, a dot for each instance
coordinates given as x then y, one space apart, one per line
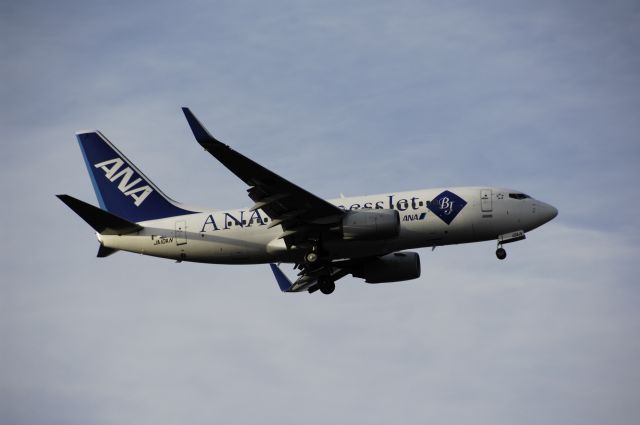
350 97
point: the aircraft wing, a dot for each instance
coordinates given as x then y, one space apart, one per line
308 279
301 214
286 285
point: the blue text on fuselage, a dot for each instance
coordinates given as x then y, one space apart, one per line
228 220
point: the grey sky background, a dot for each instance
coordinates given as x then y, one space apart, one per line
351 97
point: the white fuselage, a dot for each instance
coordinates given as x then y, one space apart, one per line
243 237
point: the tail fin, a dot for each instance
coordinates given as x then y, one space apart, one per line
121 188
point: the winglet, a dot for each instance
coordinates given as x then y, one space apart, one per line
283 281
199 131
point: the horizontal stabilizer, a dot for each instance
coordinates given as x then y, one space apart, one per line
103 251
102 221
283 281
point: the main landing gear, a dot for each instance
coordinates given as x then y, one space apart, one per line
326 285
501 253
314 255
311 257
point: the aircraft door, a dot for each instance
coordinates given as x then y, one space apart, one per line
181 232
486 201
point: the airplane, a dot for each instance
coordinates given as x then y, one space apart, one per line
326 240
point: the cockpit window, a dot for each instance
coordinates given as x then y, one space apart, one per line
518 196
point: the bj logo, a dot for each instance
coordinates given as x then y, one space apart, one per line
447 206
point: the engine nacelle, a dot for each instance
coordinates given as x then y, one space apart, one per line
394 267
371 225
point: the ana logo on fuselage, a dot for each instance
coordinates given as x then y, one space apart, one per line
112 172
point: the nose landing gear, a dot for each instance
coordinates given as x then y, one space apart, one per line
518 235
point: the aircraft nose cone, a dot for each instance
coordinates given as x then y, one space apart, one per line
549 212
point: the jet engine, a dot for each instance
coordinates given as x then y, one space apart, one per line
394 267
371 225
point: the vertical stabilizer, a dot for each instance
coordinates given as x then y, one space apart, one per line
120 186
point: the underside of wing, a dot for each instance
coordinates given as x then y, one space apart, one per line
394 267
322 277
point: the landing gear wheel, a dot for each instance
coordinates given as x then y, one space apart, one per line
501 253
327 287
311 257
